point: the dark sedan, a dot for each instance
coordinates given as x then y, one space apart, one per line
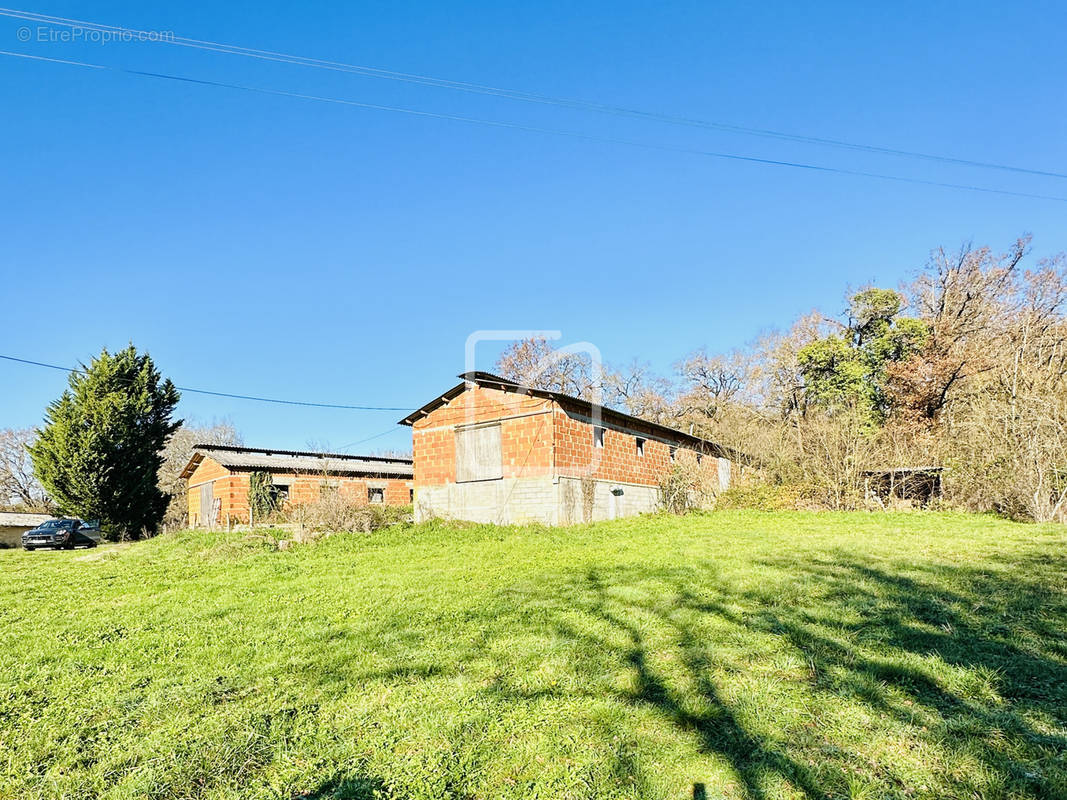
66 533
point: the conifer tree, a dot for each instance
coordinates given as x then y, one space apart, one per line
100 450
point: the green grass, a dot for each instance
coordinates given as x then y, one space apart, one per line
737 654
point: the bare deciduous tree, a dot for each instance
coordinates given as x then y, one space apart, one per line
535 363
980 388
19 488
177 454
640 393
711 383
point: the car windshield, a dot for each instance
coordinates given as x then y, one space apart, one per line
53 524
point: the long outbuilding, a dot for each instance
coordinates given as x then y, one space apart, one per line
219 477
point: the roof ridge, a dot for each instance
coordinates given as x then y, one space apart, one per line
274 451
480 376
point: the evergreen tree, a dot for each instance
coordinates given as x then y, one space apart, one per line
100 450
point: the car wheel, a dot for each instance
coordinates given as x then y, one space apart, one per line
29 549
68 546
92 544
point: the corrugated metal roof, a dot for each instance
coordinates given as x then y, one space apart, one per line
16 519
248 458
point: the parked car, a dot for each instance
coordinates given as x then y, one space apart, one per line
67 533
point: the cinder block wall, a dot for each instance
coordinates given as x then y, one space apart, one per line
593 500
504 501
11 536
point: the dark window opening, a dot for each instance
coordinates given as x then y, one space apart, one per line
598 436
640 446
375 494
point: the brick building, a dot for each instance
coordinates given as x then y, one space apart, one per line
491 450
218 478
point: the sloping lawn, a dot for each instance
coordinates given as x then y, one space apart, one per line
737 655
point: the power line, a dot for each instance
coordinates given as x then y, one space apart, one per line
506 93
535 129
224 394
393 429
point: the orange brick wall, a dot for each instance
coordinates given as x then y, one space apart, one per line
525 434
617 460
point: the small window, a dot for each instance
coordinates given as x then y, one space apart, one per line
376 494
411 495
598 436
640 446
674 453
700 457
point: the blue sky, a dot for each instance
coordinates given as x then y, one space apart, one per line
273 246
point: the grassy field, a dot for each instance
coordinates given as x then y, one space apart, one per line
737 655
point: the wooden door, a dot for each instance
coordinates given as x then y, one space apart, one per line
207 505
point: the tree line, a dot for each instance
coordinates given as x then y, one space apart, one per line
963 368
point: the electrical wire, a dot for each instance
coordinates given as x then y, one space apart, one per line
548 131
225 394
155 37
394 429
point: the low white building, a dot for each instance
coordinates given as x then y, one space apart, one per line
13 524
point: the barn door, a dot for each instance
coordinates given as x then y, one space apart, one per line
207 505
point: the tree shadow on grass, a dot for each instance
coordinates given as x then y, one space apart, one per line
966 663
717 727
696 708
965 660
346 788
902 641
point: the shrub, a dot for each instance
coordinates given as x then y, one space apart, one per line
262 499
334 512
685 488
763 497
